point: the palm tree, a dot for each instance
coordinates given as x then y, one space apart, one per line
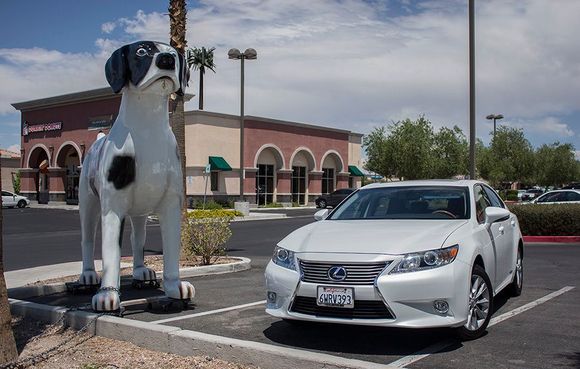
201 59
177 20
8 350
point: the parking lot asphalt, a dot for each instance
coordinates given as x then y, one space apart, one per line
539 329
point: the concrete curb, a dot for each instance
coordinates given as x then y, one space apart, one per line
50 289
552 239
184 342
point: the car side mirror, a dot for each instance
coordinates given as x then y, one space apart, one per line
321 214
494 214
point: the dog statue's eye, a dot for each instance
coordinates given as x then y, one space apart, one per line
141 52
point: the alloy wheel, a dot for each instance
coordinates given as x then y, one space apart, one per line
479 297
519 270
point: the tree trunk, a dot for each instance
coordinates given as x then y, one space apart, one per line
177 20
8 350
200 90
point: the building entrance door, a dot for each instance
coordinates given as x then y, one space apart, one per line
299 185
72 184
265 184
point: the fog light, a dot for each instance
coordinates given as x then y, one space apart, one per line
271 297
441 306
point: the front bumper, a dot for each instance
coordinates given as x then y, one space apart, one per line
407 298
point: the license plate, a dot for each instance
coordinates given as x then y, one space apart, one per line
342 297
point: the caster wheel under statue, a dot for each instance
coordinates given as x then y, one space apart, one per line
107 300
144 278
89 282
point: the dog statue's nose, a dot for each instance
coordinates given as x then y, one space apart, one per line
165 61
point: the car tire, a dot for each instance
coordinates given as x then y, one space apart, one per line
515 288
21 204
322 204
480 300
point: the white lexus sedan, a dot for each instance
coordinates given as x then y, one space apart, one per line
414 254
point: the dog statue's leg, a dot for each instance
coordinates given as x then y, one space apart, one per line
170 221
138 235
90 214
107 299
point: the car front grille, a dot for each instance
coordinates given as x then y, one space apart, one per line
359 274
362 309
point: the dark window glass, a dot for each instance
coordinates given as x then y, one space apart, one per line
493 197
406 202
481 203
573 196
214 179
299 185
265 184
4 193
327 180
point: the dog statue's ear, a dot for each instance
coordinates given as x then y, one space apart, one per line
117 69
183 74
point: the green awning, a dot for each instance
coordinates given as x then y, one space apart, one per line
354 171
219 163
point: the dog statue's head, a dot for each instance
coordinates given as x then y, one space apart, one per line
144 62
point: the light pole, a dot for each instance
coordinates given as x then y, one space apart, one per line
471 89
494 117
249 54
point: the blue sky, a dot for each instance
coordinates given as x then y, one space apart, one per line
346 64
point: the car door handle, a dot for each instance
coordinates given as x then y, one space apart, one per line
501 229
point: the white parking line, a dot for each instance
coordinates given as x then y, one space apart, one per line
408 360
189 316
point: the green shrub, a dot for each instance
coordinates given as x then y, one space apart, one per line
509 195
272 205
205 234
209 205
548 220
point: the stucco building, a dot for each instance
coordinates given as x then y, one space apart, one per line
284 162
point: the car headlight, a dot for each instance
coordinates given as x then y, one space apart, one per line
426 260
284 258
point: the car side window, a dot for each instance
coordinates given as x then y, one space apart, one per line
493 197
4 193
573 196
481 203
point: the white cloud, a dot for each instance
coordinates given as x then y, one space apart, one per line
352 64
577 154
14 148
108 27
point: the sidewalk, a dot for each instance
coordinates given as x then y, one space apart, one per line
61 205
22 277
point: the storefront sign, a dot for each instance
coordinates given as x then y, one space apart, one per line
32 128
100 122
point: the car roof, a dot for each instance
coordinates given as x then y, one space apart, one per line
562 190
426 182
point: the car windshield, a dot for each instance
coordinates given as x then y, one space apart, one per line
405 202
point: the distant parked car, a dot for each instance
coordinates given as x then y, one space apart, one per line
532 194
521 193
572 186
11 200
560 196
334 198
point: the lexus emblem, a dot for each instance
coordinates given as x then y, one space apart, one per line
337 273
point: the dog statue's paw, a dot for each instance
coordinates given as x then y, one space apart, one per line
144 274
179 290
89 278
107 299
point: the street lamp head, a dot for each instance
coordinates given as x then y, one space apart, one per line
494 116
250 54
234 54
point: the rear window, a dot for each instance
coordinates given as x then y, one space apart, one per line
406 202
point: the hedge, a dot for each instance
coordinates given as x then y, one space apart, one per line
548 220
216 213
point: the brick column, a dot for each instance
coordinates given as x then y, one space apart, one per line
284 185
314 185
342 180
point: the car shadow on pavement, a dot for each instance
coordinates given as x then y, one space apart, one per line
357 339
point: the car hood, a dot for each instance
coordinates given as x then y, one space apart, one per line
371 236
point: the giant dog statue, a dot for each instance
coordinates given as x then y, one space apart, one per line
135 171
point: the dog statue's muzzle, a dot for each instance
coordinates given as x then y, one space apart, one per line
165 61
